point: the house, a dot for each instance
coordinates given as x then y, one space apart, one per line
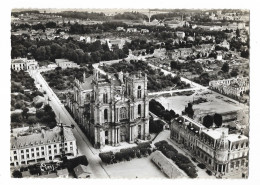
24 64
115 42
120 29
81 171
131 30
63 173
144 31
225 44
180 34
65 63
223 153
160 53
190 38
42 146
52 66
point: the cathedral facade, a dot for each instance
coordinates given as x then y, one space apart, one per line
111 108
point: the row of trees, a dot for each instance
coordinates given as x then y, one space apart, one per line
180 160
143 149
158 109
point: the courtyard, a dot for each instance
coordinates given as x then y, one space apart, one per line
136 168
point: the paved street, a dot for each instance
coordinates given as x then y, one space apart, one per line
84 146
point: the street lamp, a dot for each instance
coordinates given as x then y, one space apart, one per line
63 156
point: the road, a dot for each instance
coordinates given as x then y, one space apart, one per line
83 144
173 91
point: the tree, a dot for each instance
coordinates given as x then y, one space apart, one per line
17 174
234 72
25 112
218 119
208 121
225 67
32 120
16 118
189 110
237 33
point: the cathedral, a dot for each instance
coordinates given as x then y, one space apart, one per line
111 108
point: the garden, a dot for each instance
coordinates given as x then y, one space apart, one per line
156 78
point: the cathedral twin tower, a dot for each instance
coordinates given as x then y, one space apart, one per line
112 108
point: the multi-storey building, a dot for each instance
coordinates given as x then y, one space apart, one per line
223 153
24 64
233 86
112 108
65 63
42 146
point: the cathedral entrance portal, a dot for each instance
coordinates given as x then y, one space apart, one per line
139 131
123 133
106 137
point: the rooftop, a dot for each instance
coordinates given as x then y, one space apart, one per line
236 137
80 169
87 84
45 137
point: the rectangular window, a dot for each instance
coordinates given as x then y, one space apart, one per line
37 149
14 152
42 153
71 148
22 156
32 150
15 157
32 154
49 151
27 150
27 155
66 144
55 151
22 151
49 146
71 143
237 164
232 165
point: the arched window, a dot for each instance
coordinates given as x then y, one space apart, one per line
139 109
105 98
105 114
123 113
139 92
